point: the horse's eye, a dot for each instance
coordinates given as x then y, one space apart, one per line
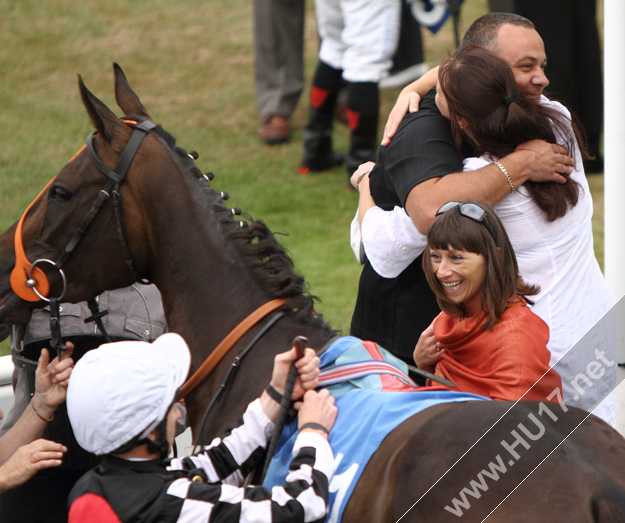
61 194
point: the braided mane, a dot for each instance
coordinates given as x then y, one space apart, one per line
269 262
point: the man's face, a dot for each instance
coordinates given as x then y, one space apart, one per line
524 50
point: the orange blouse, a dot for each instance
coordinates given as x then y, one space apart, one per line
502 363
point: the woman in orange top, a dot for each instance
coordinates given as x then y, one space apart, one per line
487 340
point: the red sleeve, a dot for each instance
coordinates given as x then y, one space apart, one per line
91 508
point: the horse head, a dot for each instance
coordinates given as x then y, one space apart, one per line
73 223
170 227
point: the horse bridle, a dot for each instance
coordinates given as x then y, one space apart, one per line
29 282
26 277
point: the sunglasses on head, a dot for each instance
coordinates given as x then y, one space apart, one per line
470 210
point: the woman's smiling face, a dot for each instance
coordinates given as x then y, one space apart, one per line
462 275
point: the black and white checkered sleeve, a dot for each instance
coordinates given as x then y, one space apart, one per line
303 498
230 458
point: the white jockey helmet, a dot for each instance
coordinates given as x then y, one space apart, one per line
123 390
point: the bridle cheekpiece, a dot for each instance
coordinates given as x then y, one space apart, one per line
28 281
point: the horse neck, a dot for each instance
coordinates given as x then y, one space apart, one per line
251 375
208 289
205 284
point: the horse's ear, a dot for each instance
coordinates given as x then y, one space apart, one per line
126 98
104 120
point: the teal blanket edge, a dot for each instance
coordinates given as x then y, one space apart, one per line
365 418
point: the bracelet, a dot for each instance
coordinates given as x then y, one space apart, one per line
39 415
274 394
360 176
505 173
316 426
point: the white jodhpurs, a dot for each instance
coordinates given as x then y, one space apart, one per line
358 36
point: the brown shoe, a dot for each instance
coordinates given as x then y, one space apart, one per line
274 129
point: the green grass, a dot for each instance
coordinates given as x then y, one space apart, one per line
191 62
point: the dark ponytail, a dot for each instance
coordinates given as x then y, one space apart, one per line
480 87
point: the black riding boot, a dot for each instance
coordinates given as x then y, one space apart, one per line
363 111
318 154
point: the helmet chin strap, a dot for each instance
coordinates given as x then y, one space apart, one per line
160 446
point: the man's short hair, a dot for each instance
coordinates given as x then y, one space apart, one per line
483 31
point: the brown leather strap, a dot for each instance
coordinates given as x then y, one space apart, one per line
19 275
227 343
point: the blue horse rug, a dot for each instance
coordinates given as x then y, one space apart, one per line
367 413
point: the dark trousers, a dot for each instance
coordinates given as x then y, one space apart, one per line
410 46
278 55
43 499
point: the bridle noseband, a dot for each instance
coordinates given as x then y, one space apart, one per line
28 281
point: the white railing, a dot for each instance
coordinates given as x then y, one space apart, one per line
6 391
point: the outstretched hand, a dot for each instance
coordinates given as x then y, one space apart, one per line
28 460
307 372
51 380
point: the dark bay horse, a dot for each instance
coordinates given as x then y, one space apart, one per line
468 460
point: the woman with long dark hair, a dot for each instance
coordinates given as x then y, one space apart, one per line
477 92
549 225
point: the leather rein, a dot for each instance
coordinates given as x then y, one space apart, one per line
228 342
